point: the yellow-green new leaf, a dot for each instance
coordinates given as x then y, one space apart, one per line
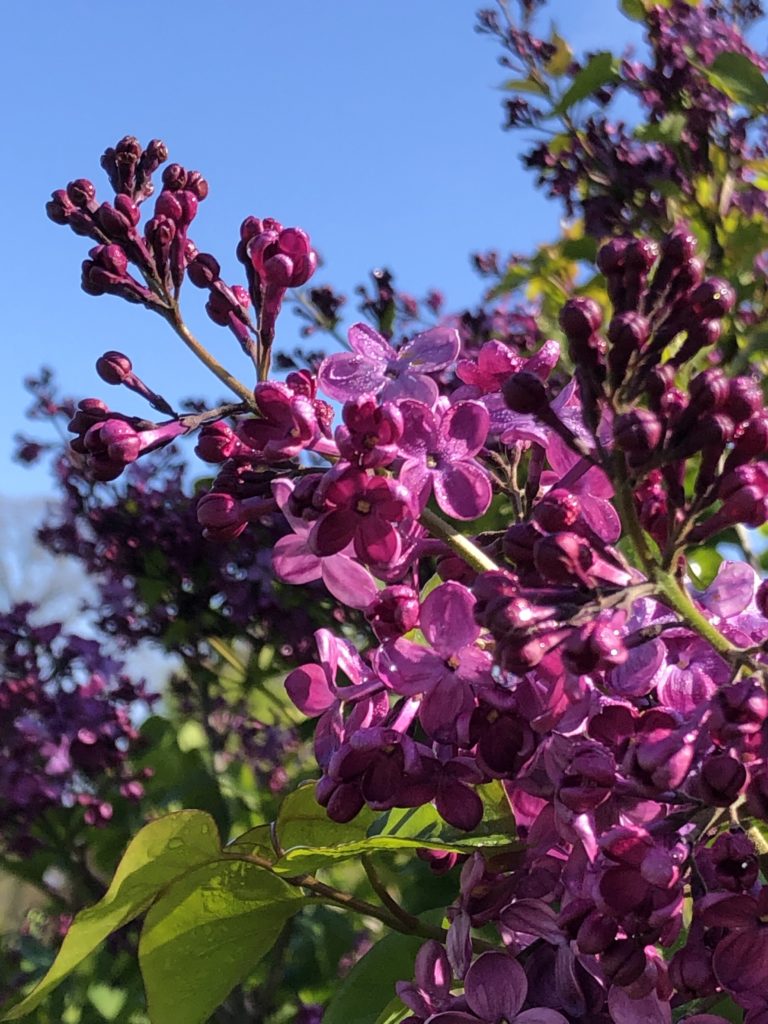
206 933
161 852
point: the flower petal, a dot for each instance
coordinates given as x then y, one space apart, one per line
346 375
495 987
447 618
432 350
463 490
370 344
348 581
464 429
293 562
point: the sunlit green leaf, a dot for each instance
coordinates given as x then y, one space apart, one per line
205 935
162 851
738 78
599 71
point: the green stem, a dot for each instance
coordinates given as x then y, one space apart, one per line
672 594
205 357
463 546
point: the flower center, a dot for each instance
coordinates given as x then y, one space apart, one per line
362 506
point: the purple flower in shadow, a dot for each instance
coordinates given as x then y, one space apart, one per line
295 562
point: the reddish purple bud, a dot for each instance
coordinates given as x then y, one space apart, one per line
114 367
393 612
745 397
561 557
557 510
81 192
610 258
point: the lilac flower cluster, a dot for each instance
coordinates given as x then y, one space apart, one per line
67 732
556 646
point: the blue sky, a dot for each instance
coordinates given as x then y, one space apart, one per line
374 126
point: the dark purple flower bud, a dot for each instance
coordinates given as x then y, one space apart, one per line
757 795
580 318
761 598
637 433
561 557
114 367
745 397
221 516
174 178
750 442
722 780
713 298
59 207
738 712
709 390
628 333
588 779
518 543
394 611
596 645
610 258
525 393
197 185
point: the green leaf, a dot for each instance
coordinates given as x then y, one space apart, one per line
599 71
205 935
393 1012
309 840
740 79
633 9
561 59
523 85
161 852
669 129
366 993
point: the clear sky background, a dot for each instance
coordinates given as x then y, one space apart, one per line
375 126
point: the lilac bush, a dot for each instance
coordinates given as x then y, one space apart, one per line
537 668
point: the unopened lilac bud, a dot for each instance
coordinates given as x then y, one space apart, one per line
628 332
745 398
679 245
203 270
610 258
761 598
713 298
518 542
525 393
111 258
114 367
393 612
221 516
174 178
637 433
557 510
640 254
579 318
197 185
81 192
709 390
217 442
561 557
722 780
